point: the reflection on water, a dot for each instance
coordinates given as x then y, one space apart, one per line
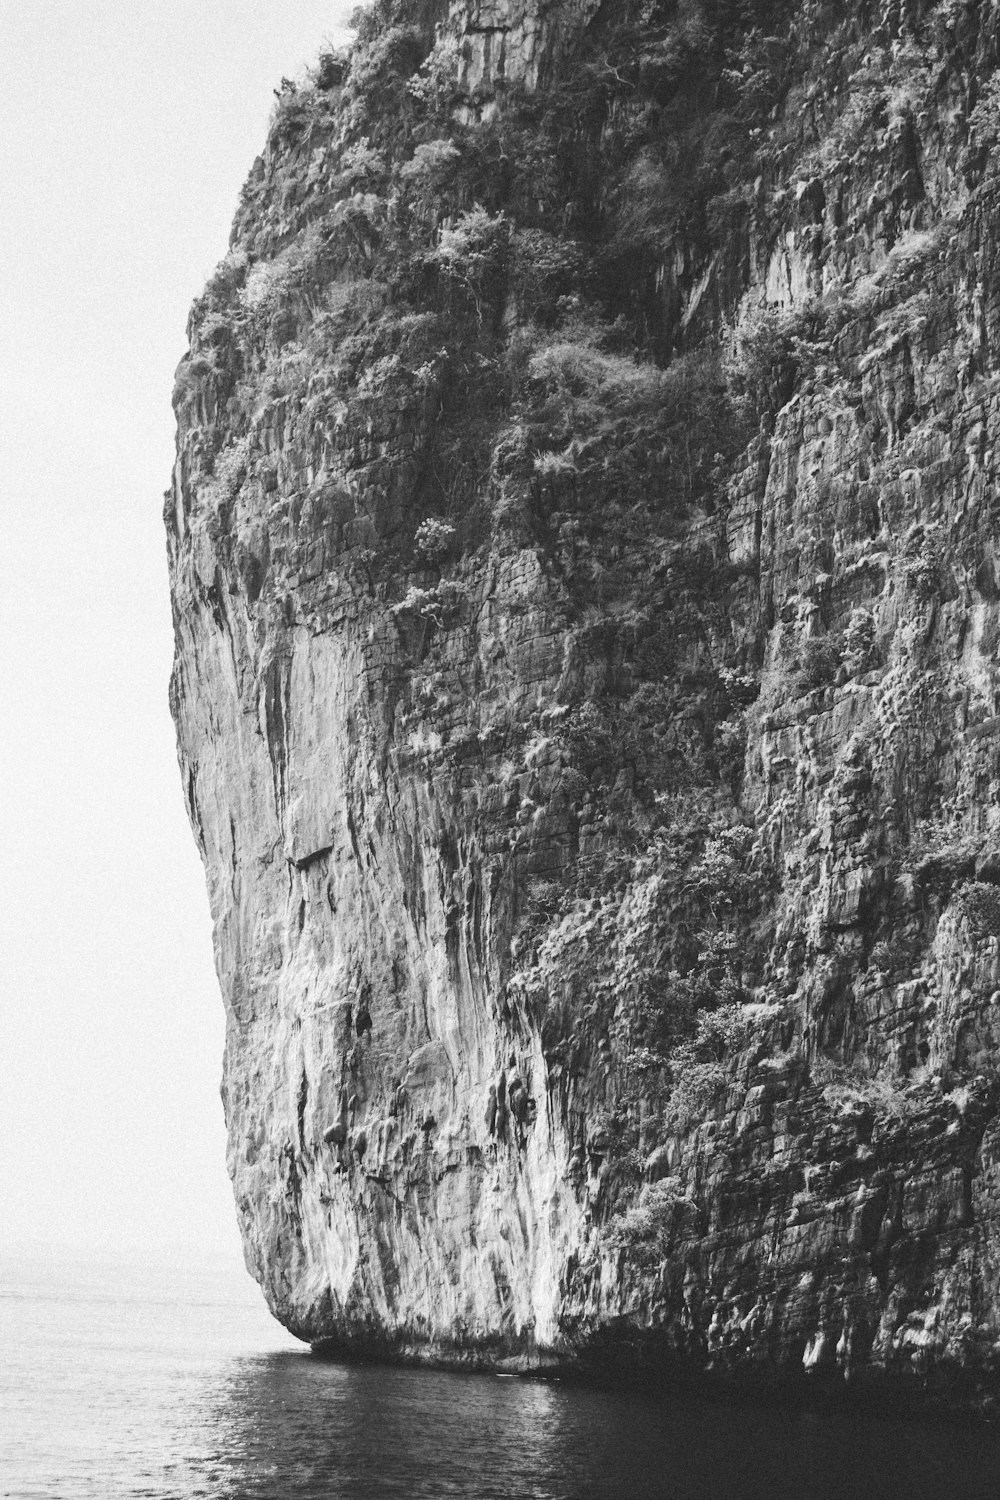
301 1427
294 1427
110 1389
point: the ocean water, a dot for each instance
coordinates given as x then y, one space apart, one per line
163 1383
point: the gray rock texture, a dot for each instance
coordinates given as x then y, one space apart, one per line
583 546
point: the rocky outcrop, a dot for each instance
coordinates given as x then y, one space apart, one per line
584 563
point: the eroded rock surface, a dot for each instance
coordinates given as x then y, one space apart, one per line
583 545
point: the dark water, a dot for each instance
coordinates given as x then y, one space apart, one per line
157 1385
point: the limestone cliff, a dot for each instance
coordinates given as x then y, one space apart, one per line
583 544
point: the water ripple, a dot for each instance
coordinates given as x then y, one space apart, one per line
132 1390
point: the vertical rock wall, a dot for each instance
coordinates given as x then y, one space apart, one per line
583 553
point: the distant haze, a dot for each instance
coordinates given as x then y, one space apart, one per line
125 134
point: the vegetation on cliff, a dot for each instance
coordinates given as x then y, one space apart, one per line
690 304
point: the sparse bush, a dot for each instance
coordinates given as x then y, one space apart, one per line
434 604
941 855
378 374
222 286
433 538
546 269
380 57
362 163
435 85
756 74
850 1087
924 561
761 360
585 386
643 1231
858 646
651 201
362 215
886 956
392 349
472 252
819 658
330 69
697 1088
264 285
698 1066
289 374
269 282
431 164
553 466
805 664
979 904
294 112
228 472
231 464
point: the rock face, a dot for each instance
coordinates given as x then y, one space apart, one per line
583 544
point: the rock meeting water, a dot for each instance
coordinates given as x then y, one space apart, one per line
164 1384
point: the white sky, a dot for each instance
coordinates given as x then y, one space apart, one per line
126 129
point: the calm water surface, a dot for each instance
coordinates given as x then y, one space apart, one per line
155 1384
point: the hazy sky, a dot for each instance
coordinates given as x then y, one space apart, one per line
126 130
